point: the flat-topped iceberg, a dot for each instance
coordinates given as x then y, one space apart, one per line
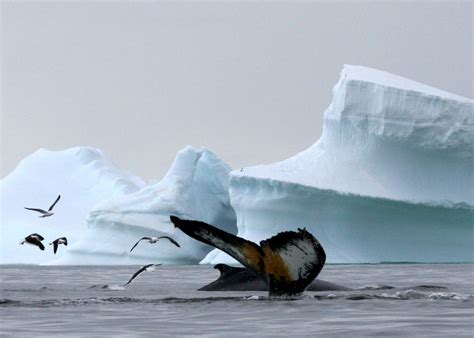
390 179
389 137
195 187
83 176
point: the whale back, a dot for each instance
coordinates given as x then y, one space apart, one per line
235 279
241 279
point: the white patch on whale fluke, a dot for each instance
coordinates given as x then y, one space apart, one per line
293 255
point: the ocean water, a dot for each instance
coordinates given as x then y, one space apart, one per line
387 300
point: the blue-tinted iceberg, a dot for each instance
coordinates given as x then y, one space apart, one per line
82 176
390 179
195 187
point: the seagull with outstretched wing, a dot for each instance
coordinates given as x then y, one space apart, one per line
44 212
34 239
153 240
56 242
149 267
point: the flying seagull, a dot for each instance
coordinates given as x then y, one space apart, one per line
34 239
44 212
154 240
149 267
57 241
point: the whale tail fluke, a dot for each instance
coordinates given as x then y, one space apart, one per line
287 262
293 260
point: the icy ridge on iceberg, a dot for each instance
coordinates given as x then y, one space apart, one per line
195 187
390 179
387 142
83 177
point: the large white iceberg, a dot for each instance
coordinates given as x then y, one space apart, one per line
195 187
81 175
390 179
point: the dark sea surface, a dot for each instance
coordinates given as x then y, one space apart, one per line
388 300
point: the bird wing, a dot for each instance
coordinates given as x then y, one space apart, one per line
143 268
38 236
52 205
149 266
171 240
41 246
55 247
141 239
38 210
35 241
65 240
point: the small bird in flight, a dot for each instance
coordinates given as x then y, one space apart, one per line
57 241
34 239
153 240
149 267
44 212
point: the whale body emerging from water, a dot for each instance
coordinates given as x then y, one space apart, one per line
287 262
241 279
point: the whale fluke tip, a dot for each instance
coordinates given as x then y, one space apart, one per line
175 220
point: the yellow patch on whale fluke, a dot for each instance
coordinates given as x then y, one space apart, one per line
252 255
275 265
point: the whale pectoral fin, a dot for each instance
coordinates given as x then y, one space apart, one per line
245 252
292 261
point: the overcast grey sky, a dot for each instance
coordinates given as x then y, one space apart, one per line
248 80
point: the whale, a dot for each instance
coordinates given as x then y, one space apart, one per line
287 262
241 279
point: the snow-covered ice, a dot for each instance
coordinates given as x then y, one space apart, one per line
390 179
195 187
83 176
103 210
412 144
